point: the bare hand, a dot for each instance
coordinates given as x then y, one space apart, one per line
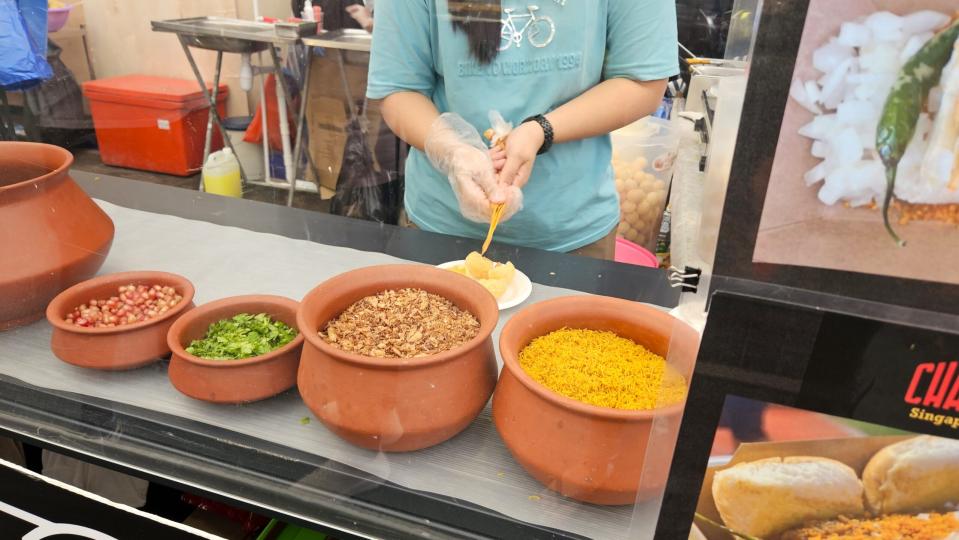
362 15
521 148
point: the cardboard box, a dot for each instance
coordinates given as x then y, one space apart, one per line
327 124
328 111
855 452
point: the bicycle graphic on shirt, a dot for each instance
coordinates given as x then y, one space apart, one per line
539 31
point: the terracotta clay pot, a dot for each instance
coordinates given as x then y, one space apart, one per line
234 381
124 347
589 453
389 404
53 235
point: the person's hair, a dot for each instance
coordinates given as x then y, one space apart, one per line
480 21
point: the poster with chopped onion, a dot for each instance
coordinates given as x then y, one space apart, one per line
866 173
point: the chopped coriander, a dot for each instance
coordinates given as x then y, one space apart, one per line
305 420
242 336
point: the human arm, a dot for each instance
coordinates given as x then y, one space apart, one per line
591 115
403 75
641 54
588 115
362 15
456 149
410 115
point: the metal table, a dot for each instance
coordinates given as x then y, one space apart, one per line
242 37
347 39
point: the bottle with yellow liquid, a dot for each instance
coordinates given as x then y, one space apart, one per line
221 174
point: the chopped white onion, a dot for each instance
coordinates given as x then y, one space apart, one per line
797 91
857 68
832 189
831 55
854 112
884 57
834 83
854 35
847 147
935 99
816 174
867 135
912 47
885 26
924 21
821 127
813 91
820 149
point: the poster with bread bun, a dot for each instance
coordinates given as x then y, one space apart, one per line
808 423
893 487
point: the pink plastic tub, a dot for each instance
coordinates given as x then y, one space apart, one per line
630 253
57 18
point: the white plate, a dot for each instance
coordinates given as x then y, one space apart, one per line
517 292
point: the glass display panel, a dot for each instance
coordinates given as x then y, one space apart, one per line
237 271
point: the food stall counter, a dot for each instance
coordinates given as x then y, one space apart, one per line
274 456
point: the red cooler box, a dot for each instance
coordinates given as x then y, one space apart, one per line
152 123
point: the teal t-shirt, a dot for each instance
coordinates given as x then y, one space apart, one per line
560 50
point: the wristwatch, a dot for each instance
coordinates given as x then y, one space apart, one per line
547 132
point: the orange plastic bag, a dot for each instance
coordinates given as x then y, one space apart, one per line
254 133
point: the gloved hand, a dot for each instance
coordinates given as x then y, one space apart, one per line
455 148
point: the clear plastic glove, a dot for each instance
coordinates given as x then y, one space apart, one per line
455 148
499 130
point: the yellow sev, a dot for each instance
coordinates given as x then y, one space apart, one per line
603 369
931 526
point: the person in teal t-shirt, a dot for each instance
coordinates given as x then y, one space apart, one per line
564 72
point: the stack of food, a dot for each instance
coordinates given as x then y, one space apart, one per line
908 490
495 277
642 198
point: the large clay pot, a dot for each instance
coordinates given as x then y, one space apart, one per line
589 453
233 381
390 404
52 234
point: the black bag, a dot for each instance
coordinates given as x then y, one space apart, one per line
58 102
361 191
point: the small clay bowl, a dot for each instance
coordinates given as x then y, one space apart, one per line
392 404
124 347
234 381
589 453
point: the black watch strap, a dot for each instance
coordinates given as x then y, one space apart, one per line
547 132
